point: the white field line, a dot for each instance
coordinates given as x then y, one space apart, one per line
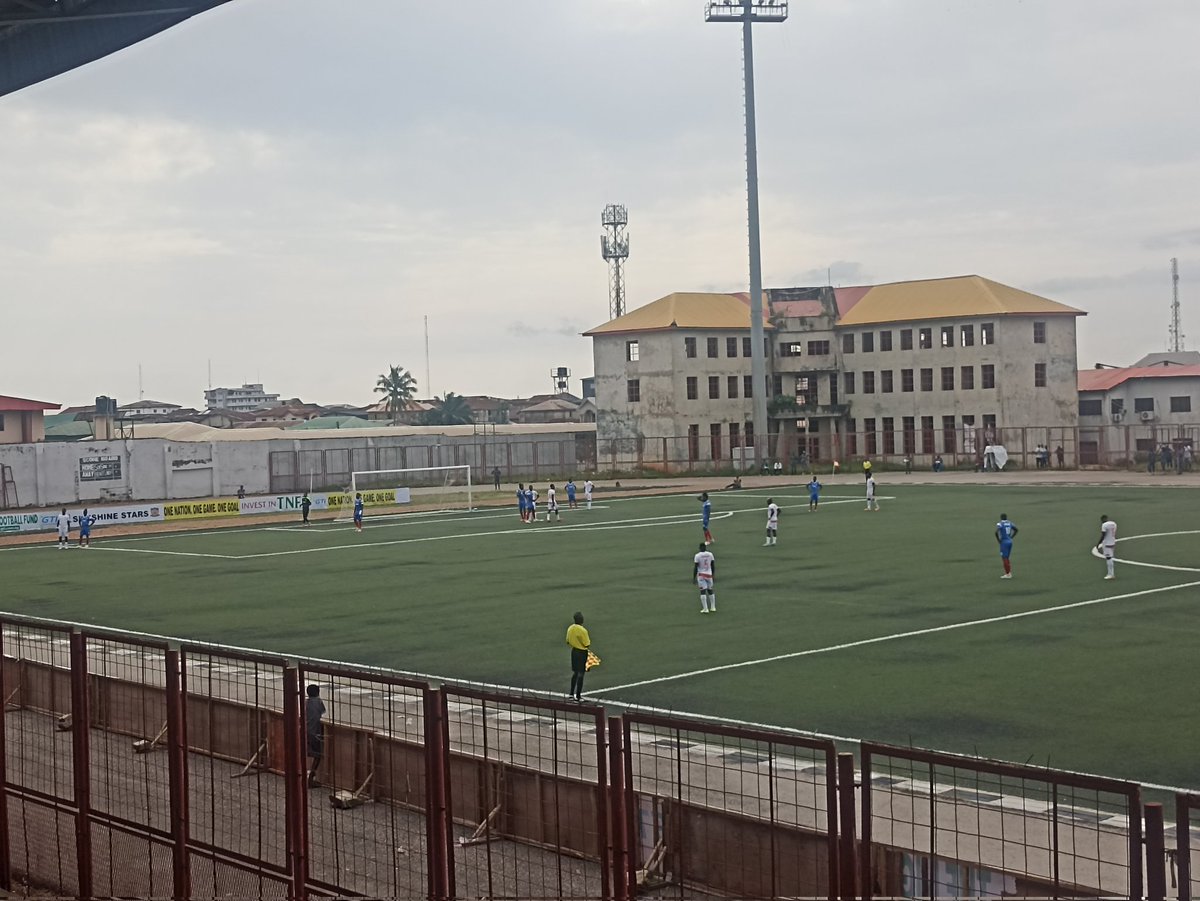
1058 608
1122 560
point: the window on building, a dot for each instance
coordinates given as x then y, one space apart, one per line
633 390
776 385
926 379
788 349
1116 405
806 391
885 381
851 438
987 333
749 431
868 382
1091 407
925 338
989 424
906 380
927 435
885 341
833 388
947 378
949 435
714 387
889 435
966 378
731 387
818 348
906 339
693 392
631 351
713 346
714 440
868 342
693 442
689 347
735 434
747 388
1039 333
987 375
731 345
746 347
910 434
848 382
1181 404
1 422
872 447
1143 405
847 344
1039 375
947 336
966 336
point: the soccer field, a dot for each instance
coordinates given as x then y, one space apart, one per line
893 626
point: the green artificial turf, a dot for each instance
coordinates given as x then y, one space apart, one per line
1102 688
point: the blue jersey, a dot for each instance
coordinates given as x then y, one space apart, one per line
529 500
521 498
570 491
85 524
358 508
1005 530
814 489
707 512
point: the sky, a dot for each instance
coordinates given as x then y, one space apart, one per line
284 194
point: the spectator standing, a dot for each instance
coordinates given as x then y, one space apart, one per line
314 734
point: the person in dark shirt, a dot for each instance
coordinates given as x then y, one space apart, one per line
314 735
305 503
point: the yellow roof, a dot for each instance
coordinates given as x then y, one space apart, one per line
946 298
684 310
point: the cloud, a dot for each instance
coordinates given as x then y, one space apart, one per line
1188 237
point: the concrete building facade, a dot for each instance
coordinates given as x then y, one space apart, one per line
1126 412
912 368
242 400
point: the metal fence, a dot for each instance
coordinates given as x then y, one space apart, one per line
133 766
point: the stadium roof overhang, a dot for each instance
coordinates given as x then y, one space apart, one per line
43 38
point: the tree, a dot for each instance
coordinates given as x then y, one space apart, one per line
399 386
450 410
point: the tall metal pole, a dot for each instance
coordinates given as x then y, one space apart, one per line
758 360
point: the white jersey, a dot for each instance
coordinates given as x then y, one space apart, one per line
587 489
772 515
64 524
871 487
704 565
551 503
1108 534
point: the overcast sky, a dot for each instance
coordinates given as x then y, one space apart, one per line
286 188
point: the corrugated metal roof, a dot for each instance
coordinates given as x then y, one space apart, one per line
192 431
24 405
945 298
1107 379
683 310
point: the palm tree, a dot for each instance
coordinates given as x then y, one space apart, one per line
399 386
451 410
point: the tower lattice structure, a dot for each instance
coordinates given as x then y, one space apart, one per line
614 248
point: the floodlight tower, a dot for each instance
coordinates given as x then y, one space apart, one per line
747 12
614 248
1176 330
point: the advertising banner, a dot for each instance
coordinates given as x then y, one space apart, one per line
47 520
202 509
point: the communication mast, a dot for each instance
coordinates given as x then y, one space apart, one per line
1176 330
614 248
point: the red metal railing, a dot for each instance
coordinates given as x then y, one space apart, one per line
135 767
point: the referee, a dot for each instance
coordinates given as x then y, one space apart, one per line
580 641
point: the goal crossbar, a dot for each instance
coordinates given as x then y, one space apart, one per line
450 486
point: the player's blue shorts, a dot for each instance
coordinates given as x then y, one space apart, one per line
1005 549
358 517
85 533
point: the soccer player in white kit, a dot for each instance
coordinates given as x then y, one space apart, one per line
551 504
587 492
1107 543
705 566
64 529
872 504
772 523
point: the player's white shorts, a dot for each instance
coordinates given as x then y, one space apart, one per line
773 524
1108 551
705 583
64 533
552 507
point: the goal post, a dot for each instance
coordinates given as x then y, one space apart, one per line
439 488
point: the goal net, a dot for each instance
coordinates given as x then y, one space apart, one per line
424 488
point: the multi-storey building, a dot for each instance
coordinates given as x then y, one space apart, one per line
242 400
1126 412
920 368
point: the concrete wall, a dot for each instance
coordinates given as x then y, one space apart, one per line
19 427
159 469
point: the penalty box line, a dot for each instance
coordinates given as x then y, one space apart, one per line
893 637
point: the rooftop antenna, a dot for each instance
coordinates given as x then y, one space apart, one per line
614 248
1176 330
141 392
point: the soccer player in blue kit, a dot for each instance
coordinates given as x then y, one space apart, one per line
358 511
814 495
1005 533
705 515
571 505
85 528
